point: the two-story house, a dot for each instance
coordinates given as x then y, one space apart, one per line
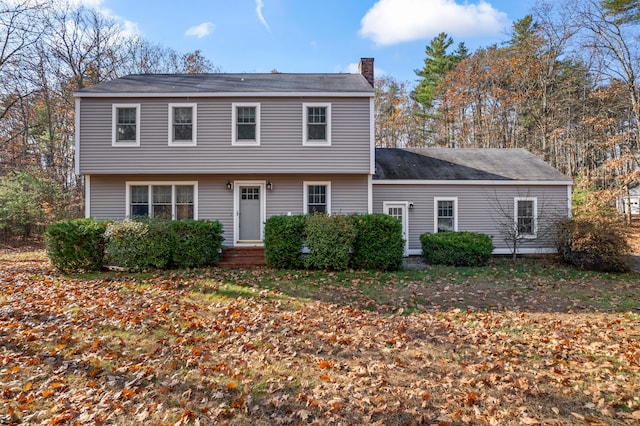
233 147
240 148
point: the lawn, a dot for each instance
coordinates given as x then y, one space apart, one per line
532 343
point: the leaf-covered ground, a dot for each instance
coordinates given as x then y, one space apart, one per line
526 344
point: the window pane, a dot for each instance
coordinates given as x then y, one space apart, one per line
525 220
317 115
246 114
446 216
445 224
139 194
184 212
317 132
182 132
525 208
162 211
184 194
445 208
162 194
182 123
247 131
126 133
139 200
139 210
182 115
126 115
317 199
126 124
317 123
317 208
184 202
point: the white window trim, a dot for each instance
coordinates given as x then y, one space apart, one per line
114 119
173 184
234 124
194 124
535 217
305 130
305 195
435 212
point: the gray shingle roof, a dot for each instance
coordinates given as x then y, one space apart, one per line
231 83
463 164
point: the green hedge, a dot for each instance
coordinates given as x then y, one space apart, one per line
283 238
456 248
330 241
139 244
378 242
594 242
76 245
195 243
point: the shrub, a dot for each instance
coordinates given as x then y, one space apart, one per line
283 237
76 245
378 242
456 248
594 242
195 243
139 244
330 241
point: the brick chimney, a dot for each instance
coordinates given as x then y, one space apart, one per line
366 69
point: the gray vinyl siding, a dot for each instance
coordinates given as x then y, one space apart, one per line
215 202
280 150
478 208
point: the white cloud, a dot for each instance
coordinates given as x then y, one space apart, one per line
259 6
201 30
396 21
127 28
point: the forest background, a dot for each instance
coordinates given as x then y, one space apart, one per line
564 85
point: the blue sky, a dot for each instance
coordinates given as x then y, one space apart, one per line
315 36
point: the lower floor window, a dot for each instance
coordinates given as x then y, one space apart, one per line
317 197
445 215
163 201
526 217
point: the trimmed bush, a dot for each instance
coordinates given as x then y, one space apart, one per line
195 243
330 241
456 248
76 245
596 243
378 243
283 236
139 244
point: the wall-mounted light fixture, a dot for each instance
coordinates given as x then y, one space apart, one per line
410 206
229 185
269 185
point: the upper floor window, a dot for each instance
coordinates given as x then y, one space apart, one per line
446 214
317 197
126 125
526 212
182 124
246 124
316 124
162 200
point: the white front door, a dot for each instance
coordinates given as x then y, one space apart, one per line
400 210
249 213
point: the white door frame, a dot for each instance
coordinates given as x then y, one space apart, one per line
405 219
236 211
